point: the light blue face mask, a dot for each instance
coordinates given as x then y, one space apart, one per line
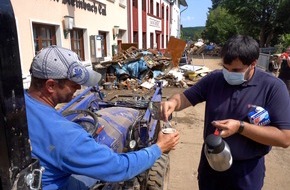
234 78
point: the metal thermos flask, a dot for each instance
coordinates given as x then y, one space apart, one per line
218 153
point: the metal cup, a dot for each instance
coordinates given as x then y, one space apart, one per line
168 130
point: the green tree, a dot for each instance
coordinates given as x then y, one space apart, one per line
220 26
192 33
284 41
215 3
262 19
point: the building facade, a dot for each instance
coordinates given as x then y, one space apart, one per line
177 7
92 28
152 22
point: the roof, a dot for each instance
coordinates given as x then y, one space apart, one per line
183 3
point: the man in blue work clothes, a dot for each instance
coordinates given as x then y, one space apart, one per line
227 93
63 147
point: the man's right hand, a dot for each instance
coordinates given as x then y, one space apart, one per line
167 108
167 142
176 103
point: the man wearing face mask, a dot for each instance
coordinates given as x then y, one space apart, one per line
227 93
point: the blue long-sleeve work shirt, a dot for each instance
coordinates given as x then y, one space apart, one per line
64 148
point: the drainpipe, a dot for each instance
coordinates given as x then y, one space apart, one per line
184 9
180 19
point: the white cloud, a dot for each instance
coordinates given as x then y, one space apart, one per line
187 18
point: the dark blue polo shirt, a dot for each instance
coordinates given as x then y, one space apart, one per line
224 101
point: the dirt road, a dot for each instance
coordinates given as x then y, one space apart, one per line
184 160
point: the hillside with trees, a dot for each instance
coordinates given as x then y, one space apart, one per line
192 33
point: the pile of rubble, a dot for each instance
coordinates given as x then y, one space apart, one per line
200 48
135 68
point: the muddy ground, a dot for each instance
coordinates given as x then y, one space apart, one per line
184 160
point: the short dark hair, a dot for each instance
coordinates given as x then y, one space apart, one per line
241 47
38 83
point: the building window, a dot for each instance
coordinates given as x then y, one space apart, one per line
135 3
162 12
167 14
135 37
157 10
43 35
162 41
144 40
144 5
103 43
151 41
77 42
151 7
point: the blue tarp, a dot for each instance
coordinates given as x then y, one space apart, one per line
209 47
133 69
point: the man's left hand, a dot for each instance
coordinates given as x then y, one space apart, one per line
226 127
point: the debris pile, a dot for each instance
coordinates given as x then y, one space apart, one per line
135 68
200 48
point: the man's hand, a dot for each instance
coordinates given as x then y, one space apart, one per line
175 103
167 108
227 127
167 142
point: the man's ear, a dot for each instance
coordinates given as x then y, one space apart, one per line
254 64
50 85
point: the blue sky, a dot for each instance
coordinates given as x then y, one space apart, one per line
196 13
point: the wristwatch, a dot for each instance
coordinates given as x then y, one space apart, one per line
241 128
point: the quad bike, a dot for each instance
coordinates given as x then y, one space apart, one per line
124 124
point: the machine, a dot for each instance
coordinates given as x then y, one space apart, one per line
124 123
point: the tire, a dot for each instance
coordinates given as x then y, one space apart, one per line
158 176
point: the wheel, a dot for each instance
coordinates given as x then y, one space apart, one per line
158 176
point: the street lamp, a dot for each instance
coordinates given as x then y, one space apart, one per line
115 32
68 25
